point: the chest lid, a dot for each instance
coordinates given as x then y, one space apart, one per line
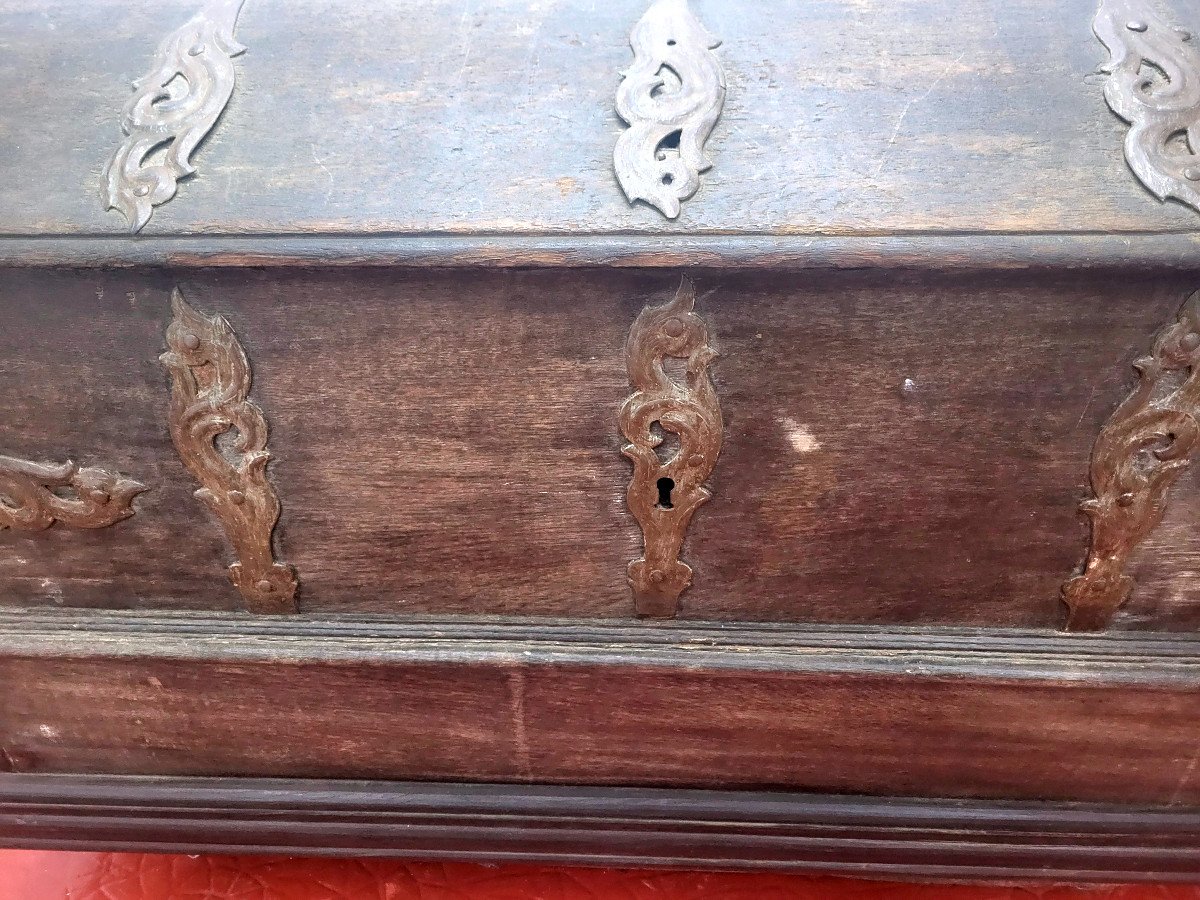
488 130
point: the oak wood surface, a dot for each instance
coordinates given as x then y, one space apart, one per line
927 270
843 117
1099 719
899 448
1166 568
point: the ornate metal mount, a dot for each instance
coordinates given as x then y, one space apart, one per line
665 492
31 498
671 97
1140 452
172 109
210 381
1154 85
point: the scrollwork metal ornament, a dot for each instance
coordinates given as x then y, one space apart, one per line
1154 85
32 495
671 98
172 110
210 386
665 493
1139 454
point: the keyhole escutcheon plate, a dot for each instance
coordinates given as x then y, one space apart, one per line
664 493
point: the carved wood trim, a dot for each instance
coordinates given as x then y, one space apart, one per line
1139 454
210 383
665 493
671 98
173 109
1154 85
29 498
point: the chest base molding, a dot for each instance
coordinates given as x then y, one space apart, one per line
602 826
837 710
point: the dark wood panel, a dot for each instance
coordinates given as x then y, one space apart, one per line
1166 568
1111 720
904 444
899 448
446 444
843 117
610 826
80 379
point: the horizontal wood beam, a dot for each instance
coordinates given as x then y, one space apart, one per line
602 826
933 250
1035 715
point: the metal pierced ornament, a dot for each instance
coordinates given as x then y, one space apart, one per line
210 386
172 110
665 493
1154 85
671 97
1143 448
32 495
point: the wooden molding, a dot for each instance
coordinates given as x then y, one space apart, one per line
940 250
211 695
613 826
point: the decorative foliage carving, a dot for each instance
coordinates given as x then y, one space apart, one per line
172 109
31 497
210 383
1154 85
671 97
1140 452
665 492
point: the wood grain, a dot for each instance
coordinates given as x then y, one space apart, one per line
1104 719
447 443
970 251
1166 568
843 117
926 268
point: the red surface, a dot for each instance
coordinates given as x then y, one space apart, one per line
37 875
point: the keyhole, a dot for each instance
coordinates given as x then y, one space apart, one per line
665 486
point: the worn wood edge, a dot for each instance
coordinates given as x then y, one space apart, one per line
602 826
991 655
967 251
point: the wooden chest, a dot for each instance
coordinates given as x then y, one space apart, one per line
726 434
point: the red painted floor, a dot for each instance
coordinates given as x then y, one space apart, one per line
37 875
